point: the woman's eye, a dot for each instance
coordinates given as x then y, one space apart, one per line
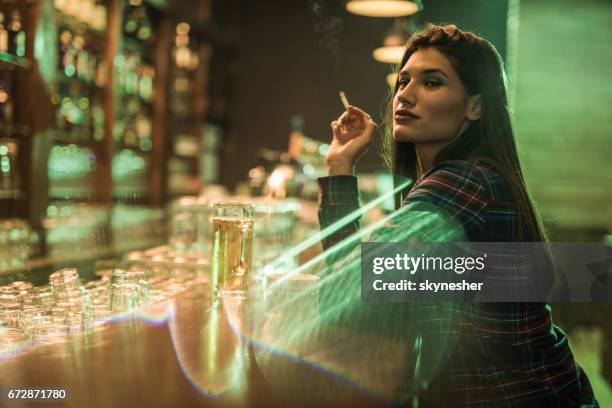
432 83
402 82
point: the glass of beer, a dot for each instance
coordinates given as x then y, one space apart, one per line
232 248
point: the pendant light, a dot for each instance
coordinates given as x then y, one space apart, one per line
394 43
384 8
392 79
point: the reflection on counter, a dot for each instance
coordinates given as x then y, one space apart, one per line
68 305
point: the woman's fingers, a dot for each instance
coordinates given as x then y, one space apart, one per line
355 126
345 118
355 117
335 128
353 110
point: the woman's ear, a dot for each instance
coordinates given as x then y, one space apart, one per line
474 106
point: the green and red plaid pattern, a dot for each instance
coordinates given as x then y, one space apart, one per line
507 354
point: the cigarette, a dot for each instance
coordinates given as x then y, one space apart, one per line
345 101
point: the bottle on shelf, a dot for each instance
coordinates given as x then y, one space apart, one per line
6 105
4 37
144 26
80 56
97 116
17 37
65 38
131 22
145 82
69 53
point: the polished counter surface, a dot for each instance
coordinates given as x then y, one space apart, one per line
188 351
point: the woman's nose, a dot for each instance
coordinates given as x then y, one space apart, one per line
406 96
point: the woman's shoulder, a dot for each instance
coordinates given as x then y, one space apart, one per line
479 175
464 189
468 168
458 187
451 175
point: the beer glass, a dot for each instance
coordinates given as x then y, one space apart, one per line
232 247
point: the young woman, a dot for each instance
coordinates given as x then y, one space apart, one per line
449 130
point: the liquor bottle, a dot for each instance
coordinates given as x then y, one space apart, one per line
4 39
16 35
145 82
144 25
131 22
64 58
81 56
70 58
6 104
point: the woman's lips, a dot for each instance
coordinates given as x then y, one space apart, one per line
402 117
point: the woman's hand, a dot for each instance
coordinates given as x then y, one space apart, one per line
352 132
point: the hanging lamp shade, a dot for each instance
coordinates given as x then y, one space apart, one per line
392 79
394 43
392 50
383 8
389 55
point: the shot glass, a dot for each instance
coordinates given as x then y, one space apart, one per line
129 287
184 224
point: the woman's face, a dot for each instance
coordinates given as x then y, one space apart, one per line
431 104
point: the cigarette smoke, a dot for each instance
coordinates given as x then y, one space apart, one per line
328 28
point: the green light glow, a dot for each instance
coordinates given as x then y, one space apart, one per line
119 61
3 150
84 103
5 164
293 326
69 162
45 42
52 211
126 164
297 327
309 170
69 70
145 144
146 87
323 149
315 239
554 108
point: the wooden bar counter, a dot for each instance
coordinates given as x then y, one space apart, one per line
188 352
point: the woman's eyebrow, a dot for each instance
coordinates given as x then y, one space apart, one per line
434 70
404 72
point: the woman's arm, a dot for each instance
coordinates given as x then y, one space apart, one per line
339 208
340 293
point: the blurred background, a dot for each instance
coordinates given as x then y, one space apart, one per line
112 110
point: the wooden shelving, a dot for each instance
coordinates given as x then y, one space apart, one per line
11 194
76 135
44 89
9 61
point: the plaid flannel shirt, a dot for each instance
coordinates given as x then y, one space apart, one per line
506 354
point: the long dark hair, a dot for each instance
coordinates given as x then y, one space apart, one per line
489 138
